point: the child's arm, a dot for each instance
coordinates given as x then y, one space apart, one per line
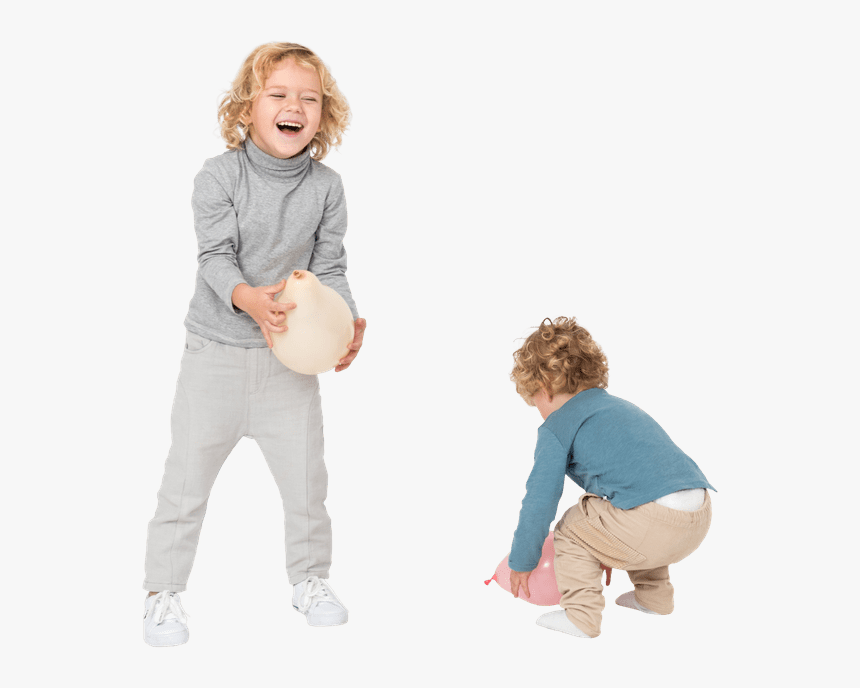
543 492
328 262
217 230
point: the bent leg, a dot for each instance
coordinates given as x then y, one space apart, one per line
653 589
674 534
578 575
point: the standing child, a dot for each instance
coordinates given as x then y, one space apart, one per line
645 505
264 208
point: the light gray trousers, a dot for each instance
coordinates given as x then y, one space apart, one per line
225 393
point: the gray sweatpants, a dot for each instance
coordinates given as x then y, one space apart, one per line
225 393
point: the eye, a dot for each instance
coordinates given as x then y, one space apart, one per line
277 95
310 99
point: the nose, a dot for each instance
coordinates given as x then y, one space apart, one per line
292 102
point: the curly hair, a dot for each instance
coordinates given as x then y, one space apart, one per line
560 356
236 104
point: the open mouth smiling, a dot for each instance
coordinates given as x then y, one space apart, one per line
290 127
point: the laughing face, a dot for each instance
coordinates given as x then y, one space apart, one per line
285 115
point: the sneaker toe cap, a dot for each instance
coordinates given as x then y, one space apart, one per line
328 614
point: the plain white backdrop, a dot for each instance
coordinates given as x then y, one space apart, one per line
680 176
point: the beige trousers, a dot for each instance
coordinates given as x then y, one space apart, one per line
225 393
642 541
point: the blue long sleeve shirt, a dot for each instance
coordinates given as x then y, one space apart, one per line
610 448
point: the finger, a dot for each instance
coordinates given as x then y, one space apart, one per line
349 358
275 288
278 317
359 331
273 327
358 336
526 588
515 588
283 307
608 576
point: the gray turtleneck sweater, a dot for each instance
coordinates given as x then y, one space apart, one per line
257 219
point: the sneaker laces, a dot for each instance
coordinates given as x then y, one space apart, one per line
170 604
314 590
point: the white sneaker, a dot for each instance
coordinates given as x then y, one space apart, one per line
315 599
164 620
628 599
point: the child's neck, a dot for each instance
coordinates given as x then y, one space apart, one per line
547 405
557 402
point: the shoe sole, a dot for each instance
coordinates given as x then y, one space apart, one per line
317 625
166 642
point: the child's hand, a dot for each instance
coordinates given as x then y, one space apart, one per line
520 578
360 326
608 573
260 304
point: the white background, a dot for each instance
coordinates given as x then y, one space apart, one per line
680 176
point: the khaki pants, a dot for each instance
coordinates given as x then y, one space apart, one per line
642 541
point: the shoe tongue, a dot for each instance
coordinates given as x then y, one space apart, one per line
166 612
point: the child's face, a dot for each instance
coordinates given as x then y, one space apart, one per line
292 94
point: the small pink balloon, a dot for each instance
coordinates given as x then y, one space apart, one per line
542 585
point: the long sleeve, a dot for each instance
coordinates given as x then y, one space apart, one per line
257 219
217 230
543 492
328 261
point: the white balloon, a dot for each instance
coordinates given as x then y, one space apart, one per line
319 329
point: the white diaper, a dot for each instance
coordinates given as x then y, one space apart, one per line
684 500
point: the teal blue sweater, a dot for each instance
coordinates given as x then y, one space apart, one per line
608 447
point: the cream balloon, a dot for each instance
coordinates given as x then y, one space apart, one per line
319 329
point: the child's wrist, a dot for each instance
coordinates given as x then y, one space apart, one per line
240 291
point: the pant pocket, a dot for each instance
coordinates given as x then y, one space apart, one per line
194 343
591 534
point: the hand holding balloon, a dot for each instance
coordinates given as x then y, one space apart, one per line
321 331
543 590
260 304
355 345
520 579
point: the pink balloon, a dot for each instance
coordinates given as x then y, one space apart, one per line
542 585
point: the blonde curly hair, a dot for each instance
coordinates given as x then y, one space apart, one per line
236 104
561 357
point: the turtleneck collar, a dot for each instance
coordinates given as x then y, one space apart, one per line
285 170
